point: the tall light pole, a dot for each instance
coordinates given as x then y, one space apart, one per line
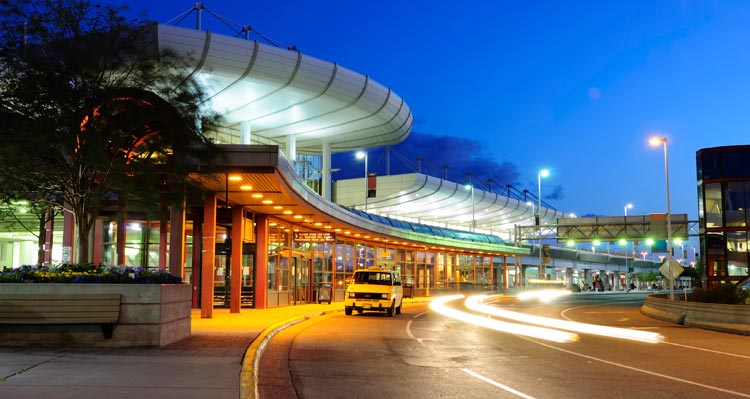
363 155
627 269
542 173
655 141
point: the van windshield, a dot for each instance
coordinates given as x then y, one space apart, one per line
372 278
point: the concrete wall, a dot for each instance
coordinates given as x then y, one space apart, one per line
712 316
150 315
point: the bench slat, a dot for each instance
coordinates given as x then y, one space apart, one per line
51 318
4 304
58 296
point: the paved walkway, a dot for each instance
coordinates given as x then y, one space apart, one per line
215 362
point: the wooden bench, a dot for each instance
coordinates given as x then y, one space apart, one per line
102 309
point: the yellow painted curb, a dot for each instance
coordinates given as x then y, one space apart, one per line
251 361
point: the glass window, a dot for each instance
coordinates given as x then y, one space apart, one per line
735 163
715 245
734 204
713 205
708 165
737 253
365 256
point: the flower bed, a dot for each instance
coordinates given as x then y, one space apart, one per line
87 274
154 305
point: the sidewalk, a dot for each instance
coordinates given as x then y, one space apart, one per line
215 362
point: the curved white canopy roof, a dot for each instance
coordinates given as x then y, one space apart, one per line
283 92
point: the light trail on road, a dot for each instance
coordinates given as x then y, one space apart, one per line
477 303
438 305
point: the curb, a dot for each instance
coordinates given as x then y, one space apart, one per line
249 371
251 359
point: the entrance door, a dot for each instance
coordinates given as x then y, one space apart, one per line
301 284
221 276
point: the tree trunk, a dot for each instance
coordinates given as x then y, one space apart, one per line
41 239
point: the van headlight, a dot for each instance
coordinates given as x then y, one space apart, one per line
351 295
384 296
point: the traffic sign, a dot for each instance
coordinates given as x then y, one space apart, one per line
676 269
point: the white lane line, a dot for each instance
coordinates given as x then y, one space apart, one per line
668 377
708 350
408 328
497 384
665 342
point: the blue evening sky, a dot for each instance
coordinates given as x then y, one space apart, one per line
502 89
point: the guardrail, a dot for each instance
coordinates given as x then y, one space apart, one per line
711 316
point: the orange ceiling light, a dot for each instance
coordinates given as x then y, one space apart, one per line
278 207
267 202
257 195
287 212
246 188
298 216
235 178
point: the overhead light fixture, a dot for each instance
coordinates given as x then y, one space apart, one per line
235 178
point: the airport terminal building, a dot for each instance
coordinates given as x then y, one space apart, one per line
266 231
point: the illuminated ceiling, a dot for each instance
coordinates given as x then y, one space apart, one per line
282 92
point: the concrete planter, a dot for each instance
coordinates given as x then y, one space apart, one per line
727 318
150 315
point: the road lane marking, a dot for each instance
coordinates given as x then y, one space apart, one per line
708 350
653 373
497 384
562 314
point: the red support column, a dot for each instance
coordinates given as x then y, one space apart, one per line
235 260
505 274
195 276
177 241
261 262
98 241
208 256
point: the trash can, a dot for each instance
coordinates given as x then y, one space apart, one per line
324 293
408 290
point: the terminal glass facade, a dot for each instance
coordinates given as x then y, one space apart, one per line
724 219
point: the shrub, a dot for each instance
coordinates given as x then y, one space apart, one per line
87 274
723 293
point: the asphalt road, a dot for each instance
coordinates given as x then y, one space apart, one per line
424 354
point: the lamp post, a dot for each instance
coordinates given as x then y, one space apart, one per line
627 269
363 155
678 241
542 173
655 141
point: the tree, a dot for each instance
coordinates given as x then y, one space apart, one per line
90 111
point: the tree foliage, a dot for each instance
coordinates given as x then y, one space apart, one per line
90 111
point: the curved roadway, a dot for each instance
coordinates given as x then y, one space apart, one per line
424 354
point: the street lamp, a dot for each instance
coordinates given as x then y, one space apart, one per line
627 269
655 141
678 241
542 173
363 155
